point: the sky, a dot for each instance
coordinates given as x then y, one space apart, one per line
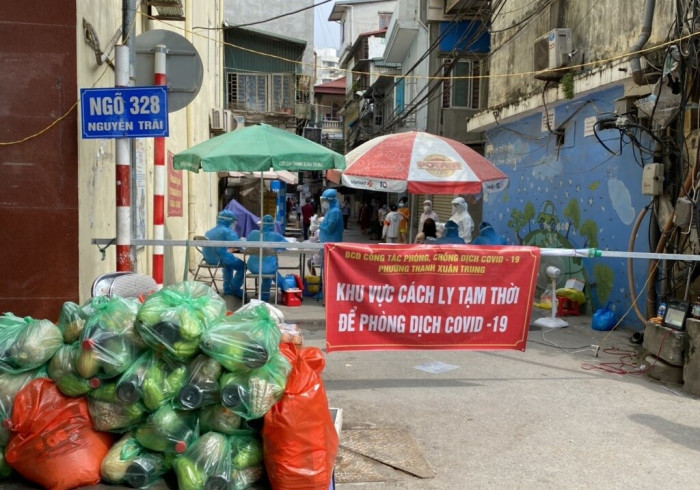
326 34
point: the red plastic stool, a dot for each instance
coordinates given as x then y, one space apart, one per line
565 306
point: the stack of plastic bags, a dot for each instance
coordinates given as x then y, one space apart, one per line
126 392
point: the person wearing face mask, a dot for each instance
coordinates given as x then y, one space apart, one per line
427 213
451 236
403 226
332 226
232 265
269 262
461 216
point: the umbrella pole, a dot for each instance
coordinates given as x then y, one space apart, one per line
260 252
412 204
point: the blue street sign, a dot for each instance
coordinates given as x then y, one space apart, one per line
124 112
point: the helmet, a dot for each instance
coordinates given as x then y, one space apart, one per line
226 217
329 194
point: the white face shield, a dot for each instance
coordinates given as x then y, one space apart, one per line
325 205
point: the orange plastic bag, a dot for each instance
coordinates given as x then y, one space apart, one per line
54 443
300 442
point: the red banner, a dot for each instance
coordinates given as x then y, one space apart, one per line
394 297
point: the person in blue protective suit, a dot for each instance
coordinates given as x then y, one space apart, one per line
451 235
332 226
269 262
488 236
234 268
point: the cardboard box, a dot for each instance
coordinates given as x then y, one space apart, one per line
574 284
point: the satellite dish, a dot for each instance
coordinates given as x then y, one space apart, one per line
184 70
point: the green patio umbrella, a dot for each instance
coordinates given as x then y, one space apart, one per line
258 148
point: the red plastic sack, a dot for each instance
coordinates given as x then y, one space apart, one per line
54 443
300 442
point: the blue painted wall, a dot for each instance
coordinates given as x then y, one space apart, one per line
570 192
470 36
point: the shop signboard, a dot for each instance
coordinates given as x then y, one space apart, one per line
399 297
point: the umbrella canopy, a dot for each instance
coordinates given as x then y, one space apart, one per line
421 163
258 148
291 178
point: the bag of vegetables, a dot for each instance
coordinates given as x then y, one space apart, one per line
252 394
72 320
217 418
109 416
246 458
202 385
129 462
168 430
10 385
152 379
25 343
206 465
109 341
62 370
54 443
173 319
242 344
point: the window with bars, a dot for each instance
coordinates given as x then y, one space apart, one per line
462 92
261 92
384 19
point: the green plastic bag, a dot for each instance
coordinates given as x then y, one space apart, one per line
168 430
217 418
207 464
153 380
72 320
246 458
62 371
26 343
108 416
129 462
172 320
252 394
242 344
202 386
109 341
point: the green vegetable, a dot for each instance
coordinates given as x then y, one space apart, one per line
106 392
246 450
188 476
118 459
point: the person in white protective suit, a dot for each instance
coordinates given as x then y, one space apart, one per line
460 215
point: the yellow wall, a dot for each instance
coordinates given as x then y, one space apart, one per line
188 126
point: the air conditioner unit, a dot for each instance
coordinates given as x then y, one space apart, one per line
216 121
236 122
553 49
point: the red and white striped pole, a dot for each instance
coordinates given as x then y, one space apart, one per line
159 177
123 172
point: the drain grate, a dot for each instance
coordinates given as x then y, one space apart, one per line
368 455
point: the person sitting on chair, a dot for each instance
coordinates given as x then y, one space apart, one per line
234 268
451 235
269 262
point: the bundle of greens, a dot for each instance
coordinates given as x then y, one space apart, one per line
173 319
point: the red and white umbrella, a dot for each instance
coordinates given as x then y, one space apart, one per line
421 163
